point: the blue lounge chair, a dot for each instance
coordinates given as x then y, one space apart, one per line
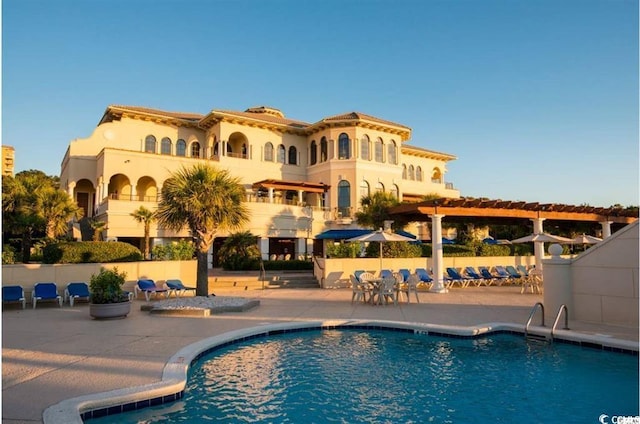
178 288
75 291
13 294
515 276
503 273
358 273
424 275
148 287
484 271
405 273
456 278
523 270
386 273
475 278
45 291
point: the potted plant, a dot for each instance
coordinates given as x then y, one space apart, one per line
108 300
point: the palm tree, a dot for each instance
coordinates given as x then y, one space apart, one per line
97 227
56 209
22 214
205 199
145 216
375 210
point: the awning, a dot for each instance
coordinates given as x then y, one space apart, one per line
292 185
347 234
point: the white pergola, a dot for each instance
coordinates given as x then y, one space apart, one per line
500 211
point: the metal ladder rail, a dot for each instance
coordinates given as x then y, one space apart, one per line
564 308
533 311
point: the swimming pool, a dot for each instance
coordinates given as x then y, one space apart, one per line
377 375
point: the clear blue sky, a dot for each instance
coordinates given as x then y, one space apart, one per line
538 99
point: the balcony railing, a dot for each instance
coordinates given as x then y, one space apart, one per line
132 198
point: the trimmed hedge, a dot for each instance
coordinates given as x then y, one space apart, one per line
294 265
90 252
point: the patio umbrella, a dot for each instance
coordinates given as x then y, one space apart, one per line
542 238
585 239
381 237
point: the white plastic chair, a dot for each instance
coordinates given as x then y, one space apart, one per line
387 291
410 286
359 291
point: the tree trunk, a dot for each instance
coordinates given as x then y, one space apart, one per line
26 247
146 241
202 278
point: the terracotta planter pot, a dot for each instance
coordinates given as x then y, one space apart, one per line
109 310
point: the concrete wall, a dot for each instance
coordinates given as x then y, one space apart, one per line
600 285
27 275
334 273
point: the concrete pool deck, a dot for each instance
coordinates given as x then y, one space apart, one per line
51 354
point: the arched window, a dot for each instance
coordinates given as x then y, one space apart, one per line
150 144
392 149
380 187
165 146
412 176
195 149
244 150
436 176
293 155
181 148
314 153
344 198
344 151
379 150
216 149
404 171
324 149
418 173
282 154
394 191
365 148
268 152
364 189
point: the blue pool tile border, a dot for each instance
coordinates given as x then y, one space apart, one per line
419 329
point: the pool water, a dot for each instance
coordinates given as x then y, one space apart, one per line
367 376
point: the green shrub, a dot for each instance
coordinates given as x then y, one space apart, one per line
494 250
8 255
294 265
240 252
106 287
524 249
394 249
90 252
183 250
343 250
468 250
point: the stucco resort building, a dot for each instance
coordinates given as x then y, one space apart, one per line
301 179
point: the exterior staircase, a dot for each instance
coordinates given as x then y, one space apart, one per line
253 280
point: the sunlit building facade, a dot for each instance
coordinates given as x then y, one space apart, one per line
300 178
8 160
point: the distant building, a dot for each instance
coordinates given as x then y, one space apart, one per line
8 160
300 178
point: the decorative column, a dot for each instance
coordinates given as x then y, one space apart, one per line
105 189
264 248
70 187
436 254
538 247
300 194
270 194
606 229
